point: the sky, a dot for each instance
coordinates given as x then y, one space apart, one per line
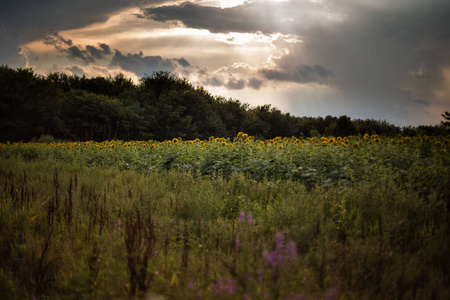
383 60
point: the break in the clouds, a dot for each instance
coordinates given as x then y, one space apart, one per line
366 59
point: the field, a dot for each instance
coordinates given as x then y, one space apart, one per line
359 217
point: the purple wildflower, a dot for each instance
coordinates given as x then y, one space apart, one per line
250 219
223 286
271 258
242 216
281 254
119 223
237 243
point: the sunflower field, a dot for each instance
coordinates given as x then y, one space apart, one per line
357 217
321 161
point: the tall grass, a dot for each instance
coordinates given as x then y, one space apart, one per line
76 232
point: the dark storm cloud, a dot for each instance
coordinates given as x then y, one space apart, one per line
106 49
253 16
301 74
76 53
140 64
88 55
23 21
214 19
98 53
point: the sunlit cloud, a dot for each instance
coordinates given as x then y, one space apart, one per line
231 3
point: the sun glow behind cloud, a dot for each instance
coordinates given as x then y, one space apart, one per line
231 3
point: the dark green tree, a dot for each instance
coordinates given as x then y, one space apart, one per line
446 116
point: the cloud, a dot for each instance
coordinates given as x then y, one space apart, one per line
76 53
301 74
254 83
24 21
215 19
253 16
142 65
54 39
101 56
182 62
213 81
98 53
88 55
235 84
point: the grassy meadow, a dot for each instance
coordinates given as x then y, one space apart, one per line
358 217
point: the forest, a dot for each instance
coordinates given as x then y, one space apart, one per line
161 106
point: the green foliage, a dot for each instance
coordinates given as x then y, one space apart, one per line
226 219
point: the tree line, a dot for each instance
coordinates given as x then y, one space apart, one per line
160 107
